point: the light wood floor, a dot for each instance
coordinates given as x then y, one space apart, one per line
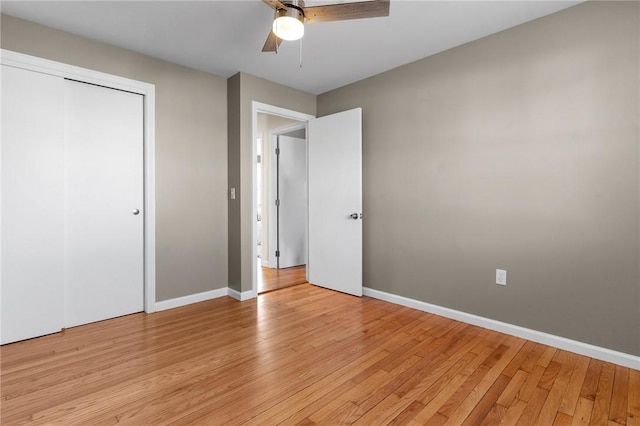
305 355
275 279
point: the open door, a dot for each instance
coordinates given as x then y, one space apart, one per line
335 202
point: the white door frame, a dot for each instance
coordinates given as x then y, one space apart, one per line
45 66
273 176
260 108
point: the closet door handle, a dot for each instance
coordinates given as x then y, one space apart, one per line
136 212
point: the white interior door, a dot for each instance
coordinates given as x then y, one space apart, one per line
32 205
104 201
292 196
335 202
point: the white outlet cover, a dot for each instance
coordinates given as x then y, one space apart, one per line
501 277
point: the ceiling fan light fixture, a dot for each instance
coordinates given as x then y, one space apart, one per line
289 24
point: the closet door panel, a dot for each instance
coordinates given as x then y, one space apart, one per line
32 263
104 190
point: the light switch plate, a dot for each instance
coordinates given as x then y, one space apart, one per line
501 277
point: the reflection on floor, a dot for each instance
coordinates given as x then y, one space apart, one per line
275 279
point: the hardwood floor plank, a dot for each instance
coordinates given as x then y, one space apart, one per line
437 420
526 359
633 402
495 415
582 415
618 407
483 407
600 414
407 414
431 409
532 410
590 385
562 419
512 390
546 357
550 374
557 391
571 395
514 412
304 355
531 384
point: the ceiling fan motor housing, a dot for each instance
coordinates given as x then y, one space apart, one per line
289 22
294 9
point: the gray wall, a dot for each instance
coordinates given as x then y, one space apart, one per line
518 151
243 90
191 152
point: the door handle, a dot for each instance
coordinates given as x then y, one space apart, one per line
353 215
136 212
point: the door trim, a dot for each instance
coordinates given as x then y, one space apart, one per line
256 108
45 66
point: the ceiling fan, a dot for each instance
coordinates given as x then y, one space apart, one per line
291 15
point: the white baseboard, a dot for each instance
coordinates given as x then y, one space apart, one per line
241 296
581 348
192 298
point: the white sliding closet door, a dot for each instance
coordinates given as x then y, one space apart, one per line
103 203
31 265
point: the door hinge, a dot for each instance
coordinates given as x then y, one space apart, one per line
277 151
277 203
277 253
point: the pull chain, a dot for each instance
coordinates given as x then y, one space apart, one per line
301 52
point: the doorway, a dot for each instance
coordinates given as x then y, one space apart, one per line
334 207
281 202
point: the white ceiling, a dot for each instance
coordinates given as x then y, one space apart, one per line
224 37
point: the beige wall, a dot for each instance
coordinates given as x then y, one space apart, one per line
519 151
191 152
243 90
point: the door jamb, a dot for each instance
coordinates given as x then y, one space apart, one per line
258 107
147 90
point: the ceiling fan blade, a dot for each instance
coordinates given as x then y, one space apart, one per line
344 11
274 4
272 43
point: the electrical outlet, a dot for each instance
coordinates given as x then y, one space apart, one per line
501 277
